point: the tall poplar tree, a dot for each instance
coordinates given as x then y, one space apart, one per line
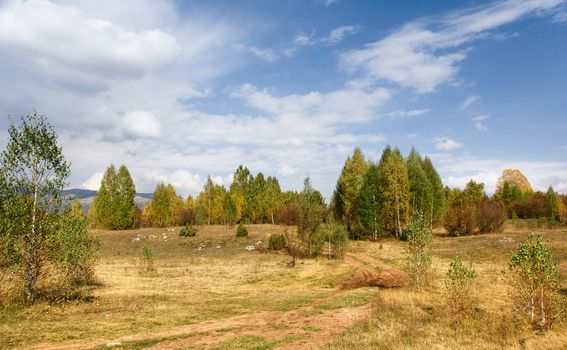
421 191
114 202
348 187
439 202
369 204
395 188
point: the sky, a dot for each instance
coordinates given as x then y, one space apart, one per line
180 90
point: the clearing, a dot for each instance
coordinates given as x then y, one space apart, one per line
208 292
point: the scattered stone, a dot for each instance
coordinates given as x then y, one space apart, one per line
250 248
218 247
111 345
506 240
258 242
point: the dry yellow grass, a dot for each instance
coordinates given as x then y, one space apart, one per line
229 298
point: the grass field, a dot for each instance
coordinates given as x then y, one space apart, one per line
209 292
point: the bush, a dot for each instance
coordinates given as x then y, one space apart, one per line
458 282
76 251
418 243
188 231
147 258
241 231
460 220
490 216
287 214
536 282
276 242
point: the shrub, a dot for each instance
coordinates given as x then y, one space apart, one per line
418 243
76 251
458 282
460 220
188 231
287 214
536 282
490 216
147 258
276 242
241 231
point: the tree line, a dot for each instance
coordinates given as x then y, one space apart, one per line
250 199
373 199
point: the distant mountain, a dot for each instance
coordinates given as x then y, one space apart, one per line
86 197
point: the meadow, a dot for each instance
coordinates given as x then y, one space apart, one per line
209 292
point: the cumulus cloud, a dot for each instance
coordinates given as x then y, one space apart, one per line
457 170
184 181
478 122
424 54
36 35
447 145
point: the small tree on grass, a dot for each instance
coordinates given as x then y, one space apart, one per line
33 174
75 248
335 237
147 259
276 241
188 231
310 218
536 282
458 282
241 231
417 249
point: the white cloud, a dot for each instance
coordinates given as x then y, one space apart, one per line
338 34
469 101
424 54
457 170
75 51
448 144
478 122
184 181
268 55
411 113
286 171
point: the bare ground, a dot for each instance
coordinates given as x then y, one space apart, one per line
307 327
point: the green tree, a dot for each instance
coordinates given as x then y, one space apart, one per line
553 204
369 204
335 237
310 218
74 249
162 206
536 281
348 188
34 172
272 196
229 209
114 201
421 190
239 190
395 189
417 249
125 200
439 203
458 281
474 192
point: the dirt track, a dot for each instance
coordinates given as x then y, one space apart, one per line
274 325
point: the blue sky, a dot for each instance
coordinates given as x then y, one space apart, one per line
178 90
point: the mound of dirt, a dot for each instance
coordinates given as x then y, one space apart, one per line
388 277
